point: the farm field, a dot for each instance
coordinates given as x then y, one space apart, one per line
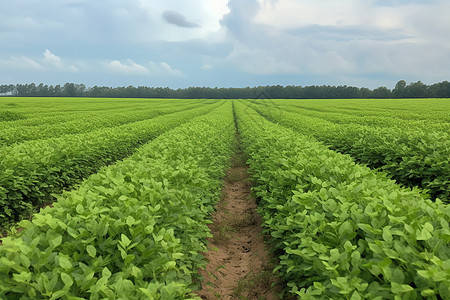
112 198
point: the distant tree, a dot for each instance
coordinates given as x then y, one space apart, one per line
69 89
7 89
365 93
440 90
381 92
277 90
80 90
26 90
73 90
58 91
399 90
416 90
353 92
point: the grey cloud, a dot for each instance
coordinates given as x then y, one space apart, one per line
333 51
243 52
320 32
265 49
238 20
258 48
177 19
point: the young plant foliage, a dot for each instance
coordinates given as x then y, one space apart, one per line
342 230
134 230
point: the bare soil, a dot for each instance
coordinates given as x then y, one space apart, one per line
239 262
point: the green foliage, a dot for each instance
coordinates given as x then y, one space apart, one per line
6 115
32 172
97 117
414 157
412 90
343 231
134 230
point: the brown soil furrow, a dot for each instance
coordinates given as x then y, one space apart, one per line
239 264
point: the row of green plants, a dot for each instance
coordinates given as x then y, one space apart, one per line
340 229
32 172
84 122
403 109
45 106
414 158
361 116
31 112
37 120
42 111
134 230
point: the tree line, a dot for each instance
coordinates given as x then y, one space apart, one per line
401 90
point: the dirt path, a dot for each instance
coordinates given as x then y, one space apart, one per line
239 264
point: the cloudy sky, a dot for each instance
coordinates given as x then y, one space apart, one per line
224 43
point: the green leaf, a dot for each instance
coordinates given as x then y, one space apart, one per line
334 254
387 236
427 293
397 288
80 209
433 274
375 248
296 252
318 285
170 264
397 275
25 260
64 263
67 280
343 285
24 248
106 273
125 240
148 293
346 230
424 235
428 226
348 246
425 274
55 242
130 221
24 277
58 294
91 250
356 296
136 272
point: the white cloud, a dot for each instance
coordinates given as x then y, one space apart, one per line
22 62
207 67
347 38
49 62
164 68
127 68
281 40
291 13
52 60
421 19
152 20
260 62
73 69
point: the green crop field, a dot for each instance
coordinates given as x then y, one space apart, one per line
111 198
